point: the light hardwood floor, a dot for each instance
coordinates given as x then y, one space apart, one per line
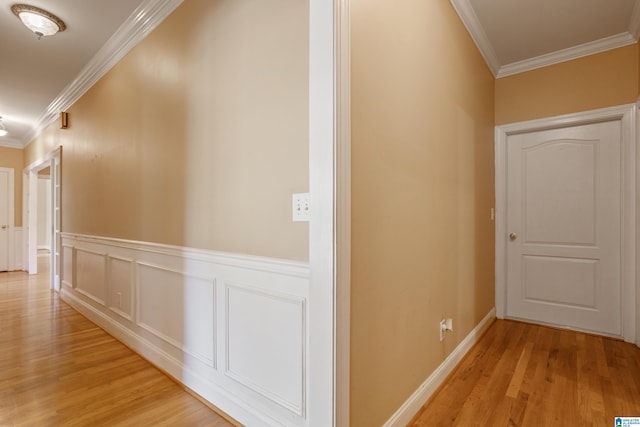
528 375
59 369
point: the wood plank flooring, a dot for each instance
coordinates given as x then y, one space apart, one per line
528 375
59 369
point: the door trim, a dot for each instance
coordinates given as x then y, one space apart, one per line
11 259
343 214
626 114
30 205
329 137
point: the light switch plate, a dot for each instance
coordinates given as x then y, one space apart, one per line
301 207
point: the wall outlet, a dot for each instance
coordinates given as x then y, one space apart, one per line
446 325
301 207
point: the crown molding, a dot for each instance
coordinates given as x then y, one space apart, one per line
470 20
11 143
141 22
568 54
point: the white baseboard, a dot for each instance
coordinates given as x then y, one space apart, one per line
411 407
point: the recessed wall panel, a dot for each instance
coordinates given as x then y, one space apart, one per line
120 286
90 275
266 344
560 192
67 266
178 308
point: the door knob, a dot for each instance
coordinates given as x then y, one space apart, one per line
513 236
4 227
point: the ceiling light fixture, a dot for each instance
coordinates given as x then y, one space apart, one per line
3 131
41 22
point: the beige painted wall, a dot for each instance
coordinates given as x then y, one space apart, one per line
597 81
422 170
198 137
13 158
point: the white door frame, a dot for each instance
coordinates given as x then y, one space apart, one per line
342 199
30 205
11 259
630 287
329 232
25 220
637 144
31 235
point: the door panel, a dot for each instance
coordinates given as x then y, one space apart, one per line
544 279
563 217
4 220
560 192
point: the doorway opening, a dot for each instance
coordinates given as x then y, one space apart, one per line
42 186
44 220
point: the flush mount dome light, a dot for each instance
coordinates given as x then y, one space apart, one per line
41 22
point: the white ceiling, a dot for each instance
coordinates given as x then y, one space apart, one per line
41 78
520 35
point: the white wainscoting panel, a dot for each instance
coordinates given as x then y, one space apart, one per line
67 265
272 326
91 275
232 328
120 286
178 308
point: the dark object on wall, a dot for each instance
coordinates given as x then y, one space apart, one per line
64 120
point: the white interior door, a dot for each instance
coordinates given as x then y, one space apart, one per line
4 219
564 227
